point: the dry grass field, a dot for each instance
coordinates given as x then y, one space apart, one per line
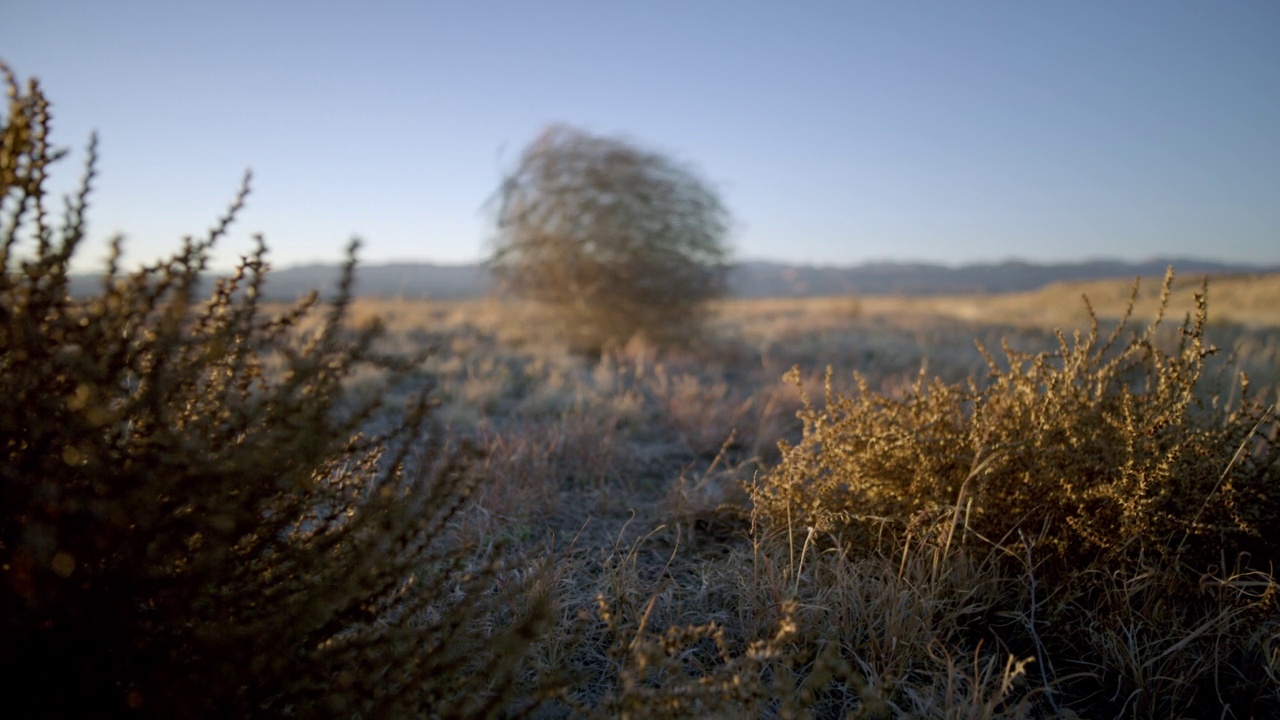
1246 300
968 507
625 484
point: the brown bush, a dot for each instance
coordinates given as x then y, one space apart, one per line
191 522
611 239
1113 448
1118 498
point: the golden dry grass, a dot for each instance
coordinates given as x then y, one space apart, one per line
1252 301
630 471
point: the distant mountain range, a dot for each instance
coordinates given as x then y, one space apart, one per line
767 279
753 279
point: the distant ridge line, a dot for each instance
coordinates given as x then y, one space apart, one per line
749 279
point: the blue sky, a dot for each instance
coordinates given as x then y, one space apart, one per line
836 132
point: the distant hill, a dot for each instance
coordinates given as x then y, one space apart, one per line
408 280
753 279
768 279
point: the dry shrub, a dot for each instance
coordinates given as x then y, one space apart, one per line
1119 498
611 239
1112 449
800 629
691 671
191 523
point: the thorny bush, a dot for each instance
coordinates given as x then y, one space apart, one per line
191 520
1119 495
1108 451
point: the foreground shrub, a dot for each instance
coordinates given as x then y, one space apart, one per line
1109 452
1121 500
191 523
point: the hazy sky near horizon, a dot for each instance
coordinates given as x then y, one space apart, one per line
836 132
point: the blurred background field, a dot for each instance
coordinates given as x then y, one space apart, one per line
751 342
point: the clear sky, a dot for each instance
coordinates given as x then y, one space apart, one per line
836 132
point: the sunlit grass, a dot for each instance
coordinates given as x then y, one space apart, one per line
632 472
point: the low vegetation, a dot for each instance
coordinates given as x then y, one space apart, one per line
1095 476
194 520
1047 530
211 507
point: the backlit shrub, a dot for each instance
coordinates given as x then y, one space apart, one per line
1133 521
192 522
1104 446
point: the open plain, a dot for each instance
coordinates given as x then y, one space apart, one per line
625 484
